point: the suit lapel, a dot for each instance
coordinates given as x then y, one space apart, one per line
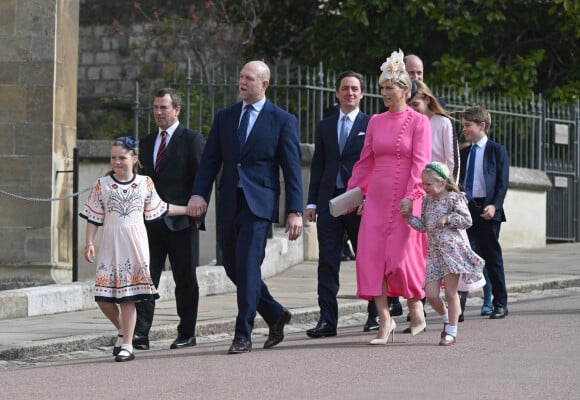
332 133
355 128
146 151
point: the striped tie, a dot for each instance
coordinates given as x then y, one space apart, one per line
161 150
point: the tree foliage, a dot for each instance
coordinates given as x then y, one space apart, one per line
506 46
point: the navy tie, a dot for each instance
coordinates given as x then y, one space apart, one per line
343 133
470 172
341 143
243 128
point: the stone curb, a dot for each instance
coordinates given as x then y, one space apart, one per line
49 347
76 296
305 315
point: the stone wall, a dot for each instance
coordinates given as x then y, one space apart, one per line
38 75
107 67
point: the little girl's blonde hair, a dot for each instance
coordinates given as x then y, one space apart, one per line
440 172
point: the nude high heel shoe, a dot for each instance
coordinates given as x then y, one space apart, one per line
391 331
418 315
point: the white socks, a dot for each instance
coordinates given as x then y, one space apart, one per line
451 330
128 347
445 318
119 341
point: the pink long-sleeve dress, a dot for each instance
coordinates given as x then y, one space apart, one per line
397 148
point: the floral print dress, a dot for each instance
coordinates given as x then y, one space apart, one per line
448 249
122 208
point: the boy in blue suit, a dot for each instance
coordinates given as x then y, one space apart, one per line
485 179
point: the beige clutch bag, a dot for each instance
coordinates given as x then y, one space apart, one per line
346 202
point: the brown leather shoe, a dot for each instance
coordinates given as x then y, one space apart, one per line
276 334
240 346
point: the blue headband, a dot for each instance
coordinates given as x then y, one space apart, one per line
128 142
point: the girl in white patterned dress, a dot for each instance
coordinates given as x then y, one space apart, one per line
120 202
445 217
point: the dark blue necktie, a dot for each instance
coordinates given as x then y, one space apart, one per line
343 133
243 128
341 143
470 172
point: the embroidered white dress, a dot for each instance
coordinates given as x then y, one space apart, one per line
448 249
121 208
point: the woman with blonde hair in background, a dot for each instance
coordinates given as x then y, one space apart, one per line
444 144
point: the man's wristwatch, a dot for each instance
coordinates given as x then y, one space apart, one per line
299 213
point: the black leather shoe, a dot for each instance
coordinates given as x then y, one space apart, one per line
372 324
124 355
140 342
240 346
461 318
498 313
182 342
395 309
276 334
322 329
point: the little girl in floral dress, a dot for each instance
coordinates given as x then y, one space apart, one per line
445 217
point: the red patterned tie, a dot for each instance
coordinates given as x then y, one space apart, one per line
161 150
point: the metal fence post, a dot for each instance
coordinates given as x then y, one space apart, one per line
75 222
136 106
188 92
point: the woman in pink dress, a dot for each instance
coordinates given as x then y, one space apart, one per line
391 256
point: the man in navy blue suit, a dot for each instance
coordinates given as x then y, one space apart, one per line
250 141
484 175
331 168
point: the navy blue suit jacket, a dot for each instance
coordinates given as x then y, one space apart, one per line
495 172
273 143
327 162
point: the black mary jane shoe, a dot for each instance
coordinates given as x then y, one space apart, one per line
124 355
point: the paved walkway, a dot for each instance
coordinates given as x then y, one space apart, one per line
555 266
